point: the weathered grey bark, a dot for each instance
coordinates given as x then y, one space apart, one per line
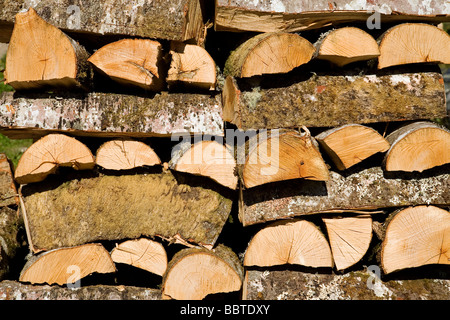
8 190
12 290
333 100
64 213
368 189
107 114
291 16
355 285
10 224
172 20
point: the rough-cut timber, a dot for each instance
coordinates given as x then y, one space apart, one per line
13 290
8 189
194 273
46 155
132 62
416 236
63 213
41 56
292 16
10 226
346 45
414 43
268 53
171 20
289 242
354 285
364 190
67 265
350 144
417 147
108 114
333 100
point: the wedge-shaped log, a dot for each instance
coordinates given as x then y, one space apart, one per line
81 209
11 226
350 144
268 53
8 189
349 238
282 155
326 100
194 273
191 66
206 158
67 265
367 189
418 146
346 45
132 62
289 242
125 154
142 253
41 55
414 43
416 236
50 152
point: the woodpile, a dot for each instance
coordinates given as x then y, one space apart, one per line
193 159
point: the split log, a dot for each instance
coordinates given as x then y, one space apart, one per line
13 290
11 244
49 153
334 100
282 155
132 62
67 265
178 20
289 242
293 16
413 43
194 273
206 158
41 55
142 253
417 147
192 66
8 190
354 285
110 115
346 45
72 210
125 154
349 237
366 190
268 53
416 236
350 144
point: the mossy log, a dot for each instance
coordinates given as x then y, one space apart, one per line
13 290
8 190
99 207
354 285
110 115
326 100
368 189
171 20
292 16
10 226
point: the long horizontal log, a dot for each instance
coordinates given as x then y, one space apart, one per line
107 114
368 189
293 16
171 20
330 100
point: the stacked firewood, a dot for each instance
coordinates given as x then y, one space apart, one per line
315 138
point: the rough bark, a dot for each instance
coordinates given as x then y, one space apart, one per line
108 114
326 100
354 285
172 20
364 190
12 290
8 190
292 16
66 213
10 225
